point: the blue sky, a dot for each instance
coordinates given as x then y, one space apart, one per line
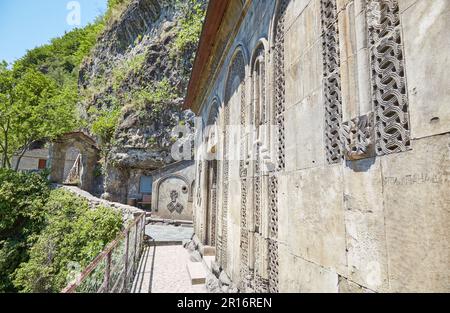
26 24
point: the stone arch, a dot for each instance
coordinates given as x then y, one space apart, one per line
236 73
213 112
165 178
89 158
210 126
259 63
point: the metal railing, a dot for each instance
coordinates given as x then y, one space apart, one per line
113 270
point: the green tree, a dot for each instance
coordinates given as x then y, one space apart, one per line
32 108
6 112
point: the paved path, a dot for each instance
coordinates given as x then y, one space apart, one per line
163 270
169 233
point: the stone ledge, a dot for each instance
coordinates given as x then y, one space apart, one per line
127 211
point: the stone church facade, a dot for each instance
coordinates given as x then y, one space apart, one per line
341 175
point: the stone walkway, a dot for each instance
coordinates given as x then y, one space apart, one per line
163 269
169 233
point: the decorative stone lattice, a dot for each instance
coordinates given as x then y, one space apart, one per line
280 85
213 216
259 284
213 203
388 77
331 81
273 234
273 266
358 138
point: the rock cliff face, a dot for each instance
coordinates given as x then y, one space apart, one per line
139 67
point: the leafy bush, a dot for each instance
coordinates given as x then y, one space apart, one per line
190 26
43 231
74 234
104 125
157 95
22 215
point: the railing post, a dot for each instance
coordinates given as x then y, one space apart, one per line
142 232
124 288
135 265
108 272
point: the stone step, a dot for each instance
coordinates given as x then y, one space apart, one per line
197 273
208 251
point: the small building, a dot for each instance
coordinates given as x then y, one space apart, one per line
37 158
82 172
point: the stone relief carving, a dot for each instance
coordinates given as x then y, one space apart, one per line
358 138
174 205
388 77
331 81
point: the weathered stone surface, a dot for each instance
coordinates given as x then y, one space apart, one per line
346 286
316 222
364 224
310 142
303 276
417 204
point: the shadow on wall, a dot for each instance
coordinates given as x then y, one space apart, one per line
360 165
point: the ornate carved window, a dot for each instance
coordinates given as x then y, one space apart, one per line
361 123
280 83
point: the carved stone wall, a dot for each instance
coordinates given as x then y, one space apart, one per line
339 208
